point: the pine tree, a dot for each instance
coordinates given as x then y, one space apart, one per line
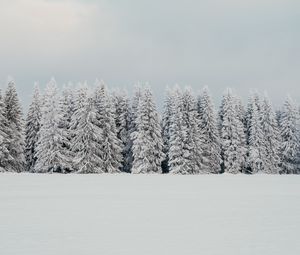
208 128
33 124
122 119
13 114
271 138
147 140
111 150
4 138
290 138
50 152
86 142
233 140
166 126
256 145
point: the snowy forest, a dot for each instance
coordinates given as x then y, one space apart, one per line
83 129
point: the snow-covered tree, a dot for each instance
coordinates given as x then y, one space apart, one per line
66 111
233 142
208 128
122 119
4 136
186 141
147 140
271 137
111 146
32 128
256 142
178 155
290 138
14 118
50 153
166 126
86 142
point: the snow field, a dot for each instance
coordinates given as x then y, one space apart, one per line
149 214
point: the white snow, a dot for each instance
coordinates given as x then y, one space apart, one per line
149 214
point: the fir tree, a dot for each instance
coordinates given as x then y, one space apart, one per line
290 138
256 143
196 163
111 150
147 140
13 114
208 128
122 119
5 157
271 138
166 126
88 137
233 140
50 152
178 156
33 124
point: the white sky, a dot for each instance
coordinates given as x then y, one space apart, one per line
220 43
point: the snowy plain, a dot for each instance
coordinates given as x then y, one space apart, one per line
149 214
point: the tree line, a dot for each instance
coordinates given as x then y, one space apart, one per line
92 130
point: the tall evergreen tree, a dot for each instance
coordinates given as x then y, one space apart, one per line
111 149
16 143
147 140
166 126
210 134
86 142
178 153
50 152
196 161
66 111
5 157
233 142
33 124
122 119
271 138
290 138
256 142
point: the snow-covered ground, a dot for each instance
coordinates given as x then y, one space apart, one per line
149 214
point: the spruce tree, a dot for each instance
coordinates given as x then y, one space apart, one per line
256 143
166 126
233 142
208 128
5 157
16 143
147 140
111 150
178 155
196 162
271 137
87 137
50 152
122 119
66 111
290 138
33 124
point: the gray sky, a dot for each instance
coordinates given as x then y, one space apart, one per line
220 43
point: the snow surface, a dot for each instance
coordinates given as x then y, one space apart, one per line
149 214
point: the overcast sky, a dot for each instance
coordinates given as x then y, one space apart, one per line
220 43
